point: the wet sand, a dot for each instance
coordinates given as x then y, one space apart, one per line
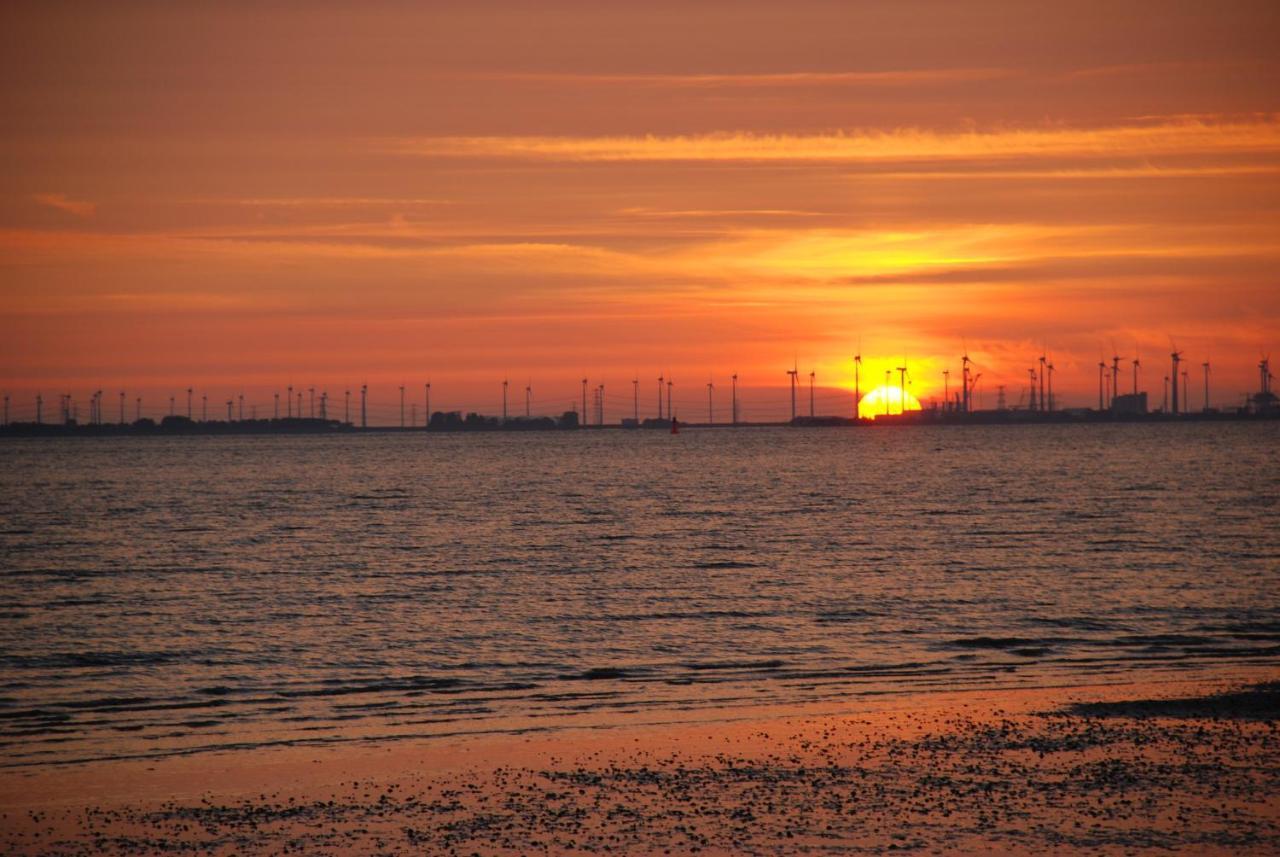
1183 766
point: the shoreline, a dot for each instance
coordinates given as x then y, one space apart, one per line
331 428
772 764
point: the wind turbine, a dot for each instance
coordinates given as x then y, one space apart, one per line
504 403
857 382
812 375
946 389
735 398
902 387
1115 375
793 372
1136 364
1205 366
1044 359
1031 376
710 403
964 381
1102 368
1177 358
1049 366
635 399
528 399
660 380
888 381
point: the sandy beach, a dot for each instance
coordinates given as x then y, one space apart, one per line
1188 766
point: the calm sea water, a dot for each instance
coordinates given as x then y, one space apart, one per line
188 594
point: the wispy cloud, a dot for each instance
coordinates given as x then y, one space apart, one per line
904 144
889 78
62 202
323 201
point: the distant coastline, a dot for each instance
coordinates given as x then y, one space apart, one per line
455 422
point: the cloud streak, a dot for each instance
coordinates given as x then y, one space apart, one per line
1183 137
62 202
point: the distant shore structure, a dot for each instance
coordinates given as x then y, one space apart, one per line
1041 406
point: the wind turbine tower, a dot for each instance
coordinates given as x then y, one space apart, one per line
204 406
902 389
812 375
40 409
1136 364
635 400
364 410
1031 375
528 399
1102 368
964 382
734 409
1177 358
1205 366
660 381
1049 403
711 412
188 403
1043 362
793 373
289 402
504 400
1115 377
857 383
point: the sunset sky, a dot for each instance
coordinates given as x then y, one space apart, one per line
236 197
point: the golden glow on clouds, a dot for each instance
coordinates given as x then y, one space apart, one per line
471 190
1165 138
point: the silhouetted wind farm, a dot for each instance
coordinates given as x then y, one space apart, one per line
891 403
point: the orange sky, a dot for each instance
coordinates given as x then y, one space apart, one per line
236 198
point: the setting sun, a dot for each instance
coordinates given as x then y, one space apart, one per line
885 400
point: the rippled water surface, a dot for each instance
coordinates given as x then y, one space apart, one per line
171 595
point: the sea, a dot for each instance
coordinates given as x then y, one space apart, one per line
182 595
